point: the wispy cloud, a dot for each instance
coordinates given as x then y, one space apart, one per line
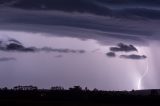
59 56
133 56
48 49
3 59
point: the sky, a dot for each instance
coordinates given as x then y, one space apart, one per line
103 44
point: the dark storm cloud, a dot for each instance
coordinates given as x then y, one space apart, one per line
83 26
81 6
14 45
97 7
133 56
111 54
123 48
3 59
14 40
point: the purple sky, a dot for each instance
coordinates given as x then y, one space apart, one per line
93 34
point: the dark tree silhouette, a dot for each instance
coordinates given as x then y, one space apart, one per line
76 88
59 88
25 88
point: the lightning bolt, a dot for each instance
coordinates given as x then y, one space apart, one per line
144 74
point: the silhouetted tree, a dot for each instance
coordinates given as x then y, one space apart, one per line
154 92
25 88
86 89
57 88
76 88
5 88
95 89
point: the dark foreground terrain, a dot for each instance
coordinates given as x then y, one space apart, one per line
76 96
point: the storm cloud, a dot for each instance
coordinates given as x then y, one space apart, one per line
97 7
13 45
69 24
111 54
123 48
